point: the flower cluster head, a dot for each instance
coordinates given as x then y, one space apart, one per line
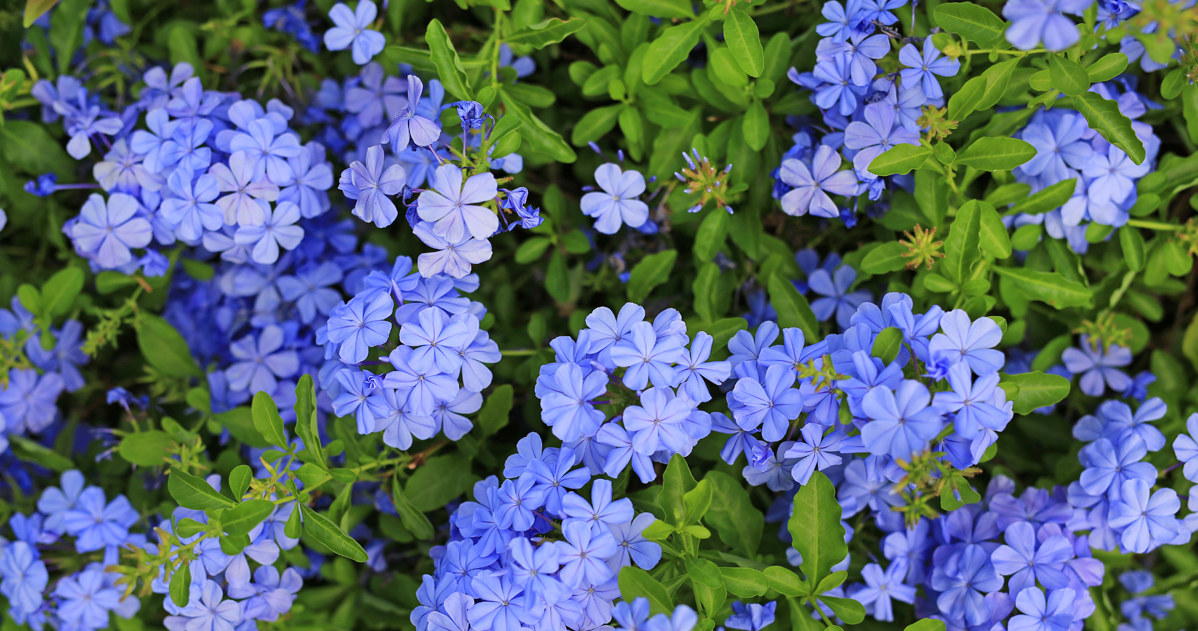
1114 494
867 110
531 551
798 408
461 206
29 391
436 371
75 519
627 390
1104 175
203 168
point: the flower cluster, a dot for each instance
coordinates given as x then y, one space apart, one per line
1114 493
437 370
256 325
530 552
230 588
462 206
1105 176
627 390
29 391
206 170
75 522
867 110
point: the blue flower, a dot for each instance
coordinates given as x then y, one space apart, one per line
584 553
753 616
28 403
962 581
922 69
971 342
1144 519
409 126
1098 367
515 502
85 599
1038 614
568 406
360 325
498 606
770 404
106 231
1028 558
437 339
811 187
353 30
1036 22
277 230
1186 448
423 387
372 186
452 203
23 577
658 423
207 609
876 135
261 361
648 357
96 523
617 204
815 452
901 422
881 586
1108 466
836 295
601 511
245 204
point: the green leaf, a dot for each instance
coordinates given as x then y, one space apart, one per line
239 480
972 21
994 239
671 48
439 480
784 581
884 259
294 528
267 420
676 481
927 624
594 124
744 40
1132 244
996 154
738 523
164 348
496 411
545 32
146 449
240 423
31 451
450 70
536 135
756 126
241 519
793 309
722 330
706 289
328 534
1105 118
707 584
306 424
532 250
35 9
711 235
180 585
634 580
66 30
1068 76
193 492
888 344
60 292
744 582
815 528
1107 68
961 247
1047 199
846 609
652 271
658 8
1047 287
1036 390
414 520
632 126
899 160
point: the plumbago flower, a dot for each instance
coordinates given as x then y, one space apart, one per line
461 206
501 570
437 370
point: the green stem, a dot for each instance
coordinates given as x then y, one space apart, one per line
1154 225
